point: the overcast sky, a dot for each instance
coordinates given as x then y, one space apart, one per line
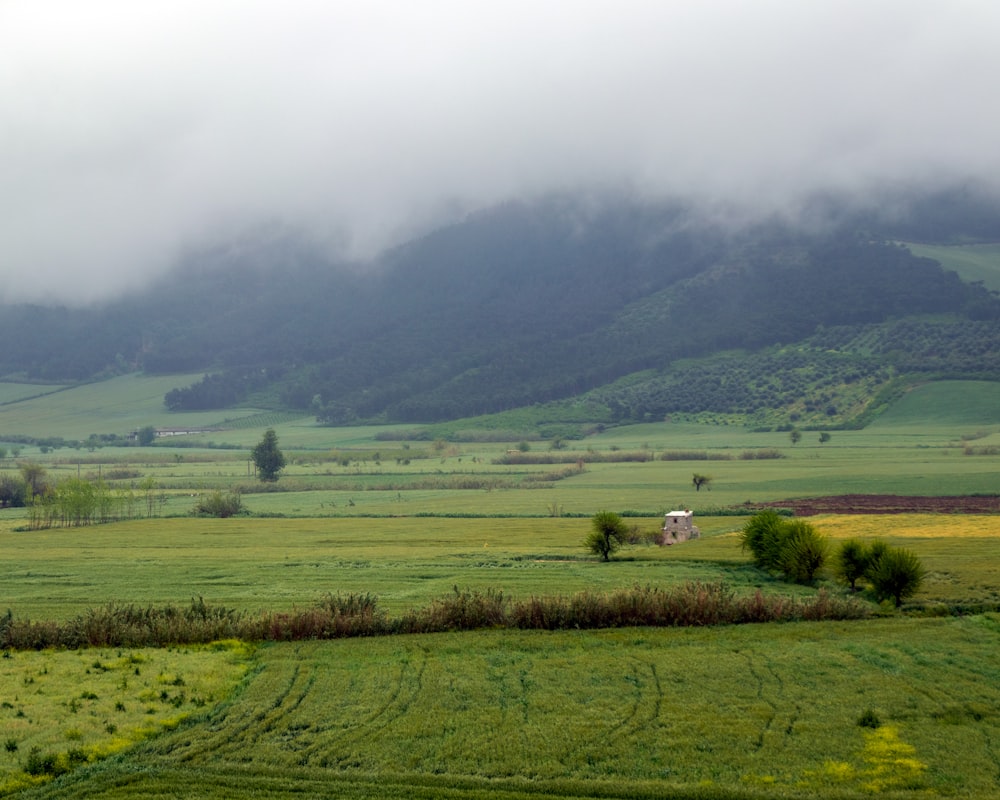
132 128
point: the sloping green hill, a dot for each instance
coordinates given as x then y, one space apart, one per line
115 406
971 403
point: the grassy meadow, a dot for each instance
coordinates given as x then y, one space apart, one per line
64 709
897 705
883 708
256 564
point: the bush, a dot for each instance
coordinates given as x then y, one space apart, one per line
803 551
218 504
869 719
892 572
761 535
338 616
896 574
792 547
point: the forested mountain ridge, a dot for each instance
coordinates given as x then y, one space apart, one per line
526 303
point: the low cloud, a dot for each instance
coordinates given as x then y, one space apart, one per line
130 131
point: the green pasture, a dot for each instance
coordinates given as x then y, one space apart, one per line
76 707
19 392
973 262
945 406
116 406
941 438
257 564
750 712
120 405
471 484
742 712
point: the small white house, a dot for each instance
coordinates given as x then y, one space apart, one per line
678 526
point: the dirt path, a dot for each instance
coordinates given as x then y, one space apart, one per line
889 504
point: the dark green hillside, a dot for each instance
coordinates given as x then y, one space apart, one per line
774 295
831 379
535 302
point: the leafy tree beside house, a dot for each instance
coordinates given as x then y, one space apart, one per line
266 456
607 533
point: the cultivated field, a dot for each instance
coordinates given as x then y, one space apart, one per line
897 705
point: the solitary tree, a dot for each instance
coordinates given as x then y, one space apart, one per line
268 459
795 435
824 437
700 480
607 532
146 435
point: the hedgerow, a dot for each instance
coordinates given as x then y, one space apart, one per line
336 616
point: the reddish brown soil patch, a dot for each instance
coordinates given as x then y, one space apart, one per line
888 504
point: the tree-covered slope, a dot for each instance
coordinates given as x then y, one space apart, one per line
526 303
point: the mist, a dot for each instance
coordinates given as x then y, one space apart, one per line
131 132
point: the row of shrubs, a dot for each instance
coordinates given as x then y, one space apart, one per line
693 604
620 456
796 550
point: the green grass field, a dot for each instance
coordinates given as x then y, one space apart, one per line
77 707
255 564
740 712
22 392
118 406
941 438
758 711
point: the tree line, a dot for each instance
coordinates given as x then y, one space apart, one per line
74 502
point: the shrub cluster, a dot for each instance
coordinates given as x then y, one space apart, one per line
694 604
219 504
893 573
761 454
75 502
520 457
790 547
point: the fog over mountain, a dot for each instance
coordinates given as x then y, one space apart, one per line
131 132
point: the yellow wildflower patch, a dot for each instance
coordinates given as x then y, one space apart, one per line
891 763
910 526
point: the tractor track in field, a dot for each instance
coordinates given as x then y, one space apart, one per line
758 683
334 745
634 721
885 504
